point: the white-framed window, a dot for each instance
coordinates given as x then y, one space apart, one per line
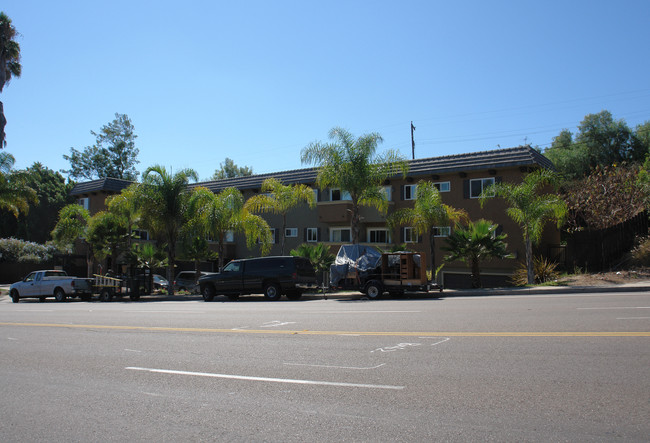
387 191
339 195
409 192
443 186
441 231
410 235
140 234
229 237
316 193
291 232
273 236
378 235
312 234
477 185
340 235
84 203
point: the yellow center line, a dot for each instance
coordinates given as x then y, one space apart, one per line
363 333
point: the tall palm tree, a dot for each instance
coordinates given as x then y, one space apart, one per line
353 166
529 208
475 243
280 199
428 212
9 63
15 195
164 198
225 212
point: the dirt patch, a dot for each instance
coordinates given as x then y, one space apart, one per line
607 278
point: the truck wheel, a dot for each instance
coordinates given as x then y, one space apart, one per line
208 293
15 297
105 295
374 290
272 292
59 294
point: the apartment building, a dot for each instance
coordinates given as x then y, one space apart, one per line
460 179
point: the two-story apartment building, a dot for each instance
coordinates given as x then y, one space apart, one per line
460 179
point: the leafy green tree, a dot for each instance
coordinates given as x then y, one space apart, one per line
126 205
277 198
475 243
229 169
9 63
354 166
428 212
113 155
52 192
225 212
194 244
71 226
15 194
529 208
601 141
164 199
109 235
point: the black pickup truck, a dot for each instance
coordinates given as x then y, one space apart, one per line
271 276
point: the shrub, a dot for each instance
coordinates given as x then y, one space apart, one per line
641 253
545 271
15 250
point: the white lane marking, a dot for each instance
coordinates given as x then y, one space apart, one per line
438 342
276 323
616 307
633 318
132 350
396 347
364 312
334 367
11 338
273 380
165 312
34 310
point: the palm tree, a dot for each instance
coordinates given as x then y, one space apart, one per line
126 205
164 197
318 255
72 226
477 242
225 212
531 210
427 213
280 199
15 195
353 166
9 63
109 235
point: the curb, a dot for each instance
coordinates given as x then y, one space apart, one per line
546 290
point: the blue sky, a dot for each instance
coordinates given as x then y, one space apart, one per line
256 81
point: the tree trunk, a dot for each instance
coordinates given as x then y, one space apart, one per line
283 233
530 271
3 123
432 253
354 222
476 274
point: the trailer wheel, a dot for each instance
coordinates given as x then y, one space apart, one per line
208 292
59 294
374 290
15 297
272 292
105 295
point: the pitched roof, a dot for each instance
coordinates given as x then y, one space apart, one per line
102 184
499 158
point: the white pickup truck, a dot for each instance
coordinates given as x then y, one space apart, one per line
51 283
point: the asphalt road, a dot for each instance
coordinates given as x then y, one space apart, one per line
503 368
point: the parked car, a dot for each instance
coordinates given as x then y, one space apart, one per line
159 282
271 276
51 283
186 281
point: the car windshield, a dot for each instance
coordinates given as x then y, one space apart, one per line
233 266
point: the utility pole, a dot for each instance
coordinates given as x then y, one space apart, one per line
412 140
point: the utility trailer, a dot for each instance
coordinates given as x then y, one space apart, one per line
373 273
109 287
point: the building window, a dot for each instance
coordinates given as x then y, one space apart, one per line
409 192
316 194
441 231
387 191
229 237
338 195
291 232
140 234
378 236
478 185
443 186
410 235
312 234
340 235
84 203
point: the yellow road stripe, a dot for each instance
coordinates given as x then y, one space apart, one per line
364 333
